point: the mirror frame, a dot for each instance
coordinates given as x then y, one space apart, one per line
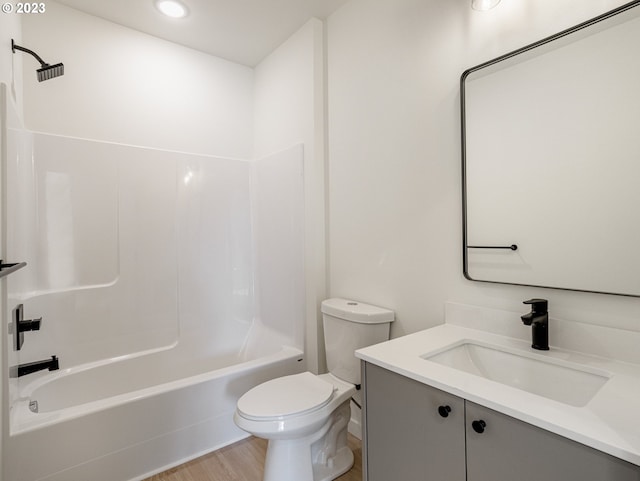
507 56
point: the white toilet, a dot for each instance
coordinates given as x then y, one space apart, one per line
304 416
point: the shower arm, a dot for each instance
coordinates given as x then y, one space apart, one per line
15 47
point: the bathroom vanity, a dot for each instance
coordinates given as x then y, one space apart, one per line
408 438
560 415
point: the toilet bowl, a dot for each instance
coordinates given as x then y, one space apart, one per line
305 416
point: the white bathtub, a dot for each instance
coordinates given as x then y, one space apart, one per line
128 419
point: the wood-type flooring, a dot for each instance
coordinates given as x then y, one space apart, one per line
242 461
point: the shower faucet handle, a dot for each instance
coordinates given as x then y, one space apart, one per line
26 324
30 325
21 325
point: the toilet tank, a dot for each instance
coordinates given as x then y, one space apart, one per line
349 326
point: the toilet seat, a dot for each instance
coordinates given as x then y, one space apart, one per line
285 396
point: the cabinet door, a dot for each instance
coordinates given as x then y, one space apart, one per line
405 436
512 450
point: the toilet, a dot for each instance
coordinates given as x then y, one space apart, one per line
305 416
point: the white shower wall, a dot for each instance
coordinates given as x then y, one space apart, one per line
163 95
132 249
279 232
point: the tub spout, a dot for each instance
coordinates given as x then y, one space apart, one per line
30 367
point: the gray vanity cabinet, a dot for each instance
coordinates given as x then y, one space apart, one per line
405 438
509 449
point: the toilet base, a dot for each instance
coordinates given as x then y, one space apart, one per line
342 462
321 456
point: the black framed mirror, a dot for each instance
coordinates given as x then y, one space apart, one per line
551 160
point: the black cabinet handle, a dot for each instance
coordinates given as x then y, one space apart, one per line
444 411
478 426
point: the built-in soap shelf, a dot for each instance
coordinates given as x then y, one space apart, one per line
6 269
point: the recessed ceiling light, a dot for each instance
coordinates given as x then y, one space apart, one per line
172 8
484 4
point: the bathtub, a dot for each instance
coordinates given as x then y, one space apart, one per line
129 418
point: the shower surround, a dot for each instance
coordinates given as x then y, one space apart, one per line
168 283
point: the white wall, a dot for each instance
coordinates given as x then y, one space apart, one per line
124 86
289 109
10 63
394 154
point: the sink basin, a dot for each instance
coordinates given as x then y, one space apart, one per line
550 379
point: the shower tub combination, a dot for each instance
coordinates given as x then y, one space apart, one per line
110 422
165 297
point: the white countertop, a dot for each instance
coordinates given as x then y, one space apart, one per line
609 422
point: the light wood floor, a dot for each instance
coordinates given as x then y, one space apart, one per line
242 461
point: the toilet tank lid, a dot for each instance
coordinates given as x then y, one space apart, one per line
356 311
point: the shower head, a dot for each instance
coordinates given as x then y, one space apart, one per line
50 71
46 71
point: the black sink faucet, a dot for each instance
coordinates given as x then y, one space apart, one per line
28 368
538 319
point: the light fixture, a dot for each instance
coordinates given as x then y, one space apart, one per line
484 5
172 8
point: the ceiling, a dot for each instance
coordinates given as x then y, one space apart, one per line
243 31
